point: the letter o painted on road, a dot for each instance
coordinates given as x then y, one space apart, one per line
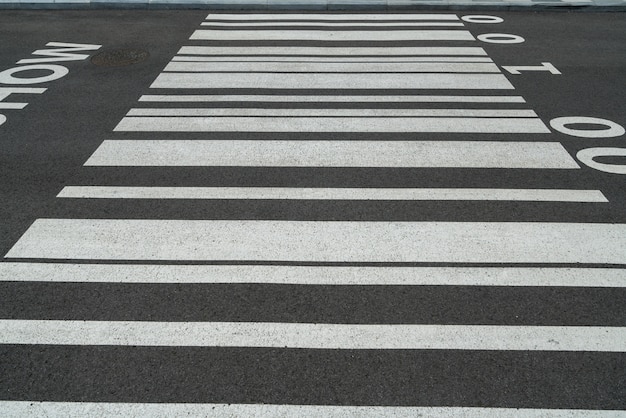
613 129
56 72
586 157
482 19
500 38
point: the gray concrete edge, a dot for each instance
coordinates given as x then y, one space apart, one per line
332 5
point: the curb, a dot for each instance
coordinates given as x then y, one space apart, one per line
329 5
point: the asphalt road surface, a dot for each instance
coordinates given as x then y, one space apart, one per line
312 214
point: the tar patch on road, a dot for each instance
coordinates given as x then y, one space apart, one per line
119 57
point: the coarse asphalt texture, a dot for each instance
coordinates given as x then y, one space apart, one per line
44 146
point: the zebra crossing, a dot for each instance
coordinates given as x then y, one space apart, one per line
322 215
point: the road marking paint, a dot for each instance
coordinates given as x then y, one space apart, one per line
13 105
5 92
331 81
313 275
332 67
331 35
453 154
331 124
238 111
332 50
323 241
313 336
332 59
328 98
166 410
330 17
254 23
291 193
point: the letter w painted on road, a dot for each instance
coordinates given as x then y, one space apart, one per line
64 52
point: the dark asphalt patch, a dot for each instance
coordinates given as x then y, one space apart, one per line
119 57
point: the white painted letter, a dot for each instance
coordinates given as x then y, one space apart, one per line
613 130
482 19
500 38
64 53
545 66
6 91
586 156
2 119
57 71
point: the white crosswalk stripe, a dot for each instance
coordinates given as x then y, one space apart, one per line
315 80
331 17
326 35
477 154
329 24
373 94
319 275
328 98
318 336
337 51
327 59
320 193
165 410
331 67
471 242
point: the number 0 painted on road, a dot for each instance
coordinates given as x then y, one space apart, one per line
586 156
613 129
500 38
482 19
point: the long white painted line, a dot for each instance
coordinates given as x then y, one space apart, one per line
15 409
328 98
333 59
333 50
331 124
331 81
333 67
253 23
12 105
318 275
7 91
331 35
313 336
453 154
239 111
328 16
296 193
323 241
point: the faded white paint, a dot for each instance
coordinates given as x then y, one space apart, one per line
331 17
331 35
332 81
247 111
321 193
313 275
459 154
333 67
333 124
311 23
327 98
323 241
314 336
331 50
335 59
15 409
